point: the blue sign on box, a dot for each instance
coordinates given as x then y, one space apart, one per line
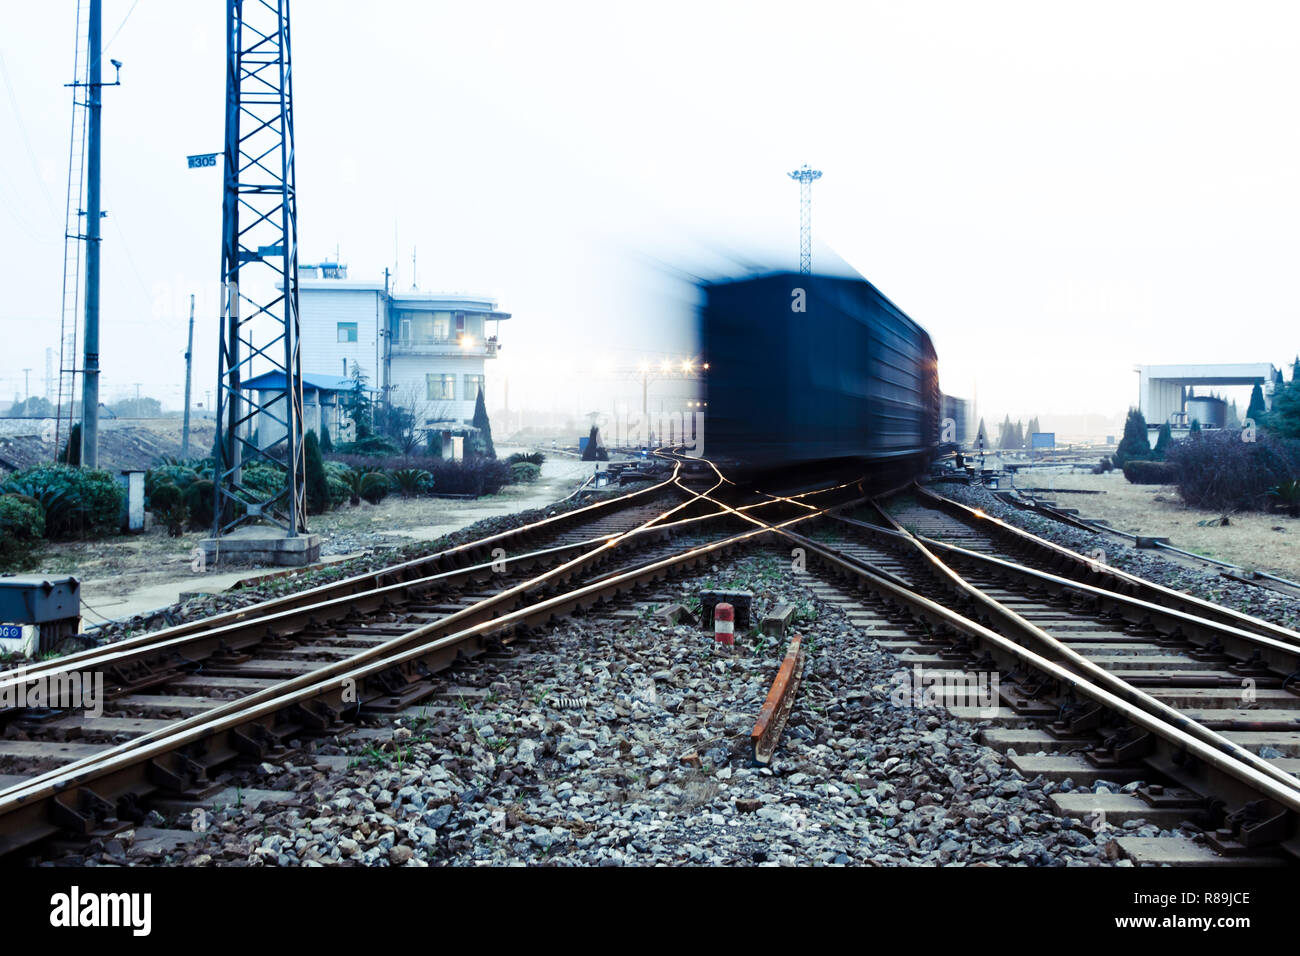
11 632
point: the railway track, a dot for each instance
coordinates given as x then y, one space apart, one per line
1100 676
184 702
1183 710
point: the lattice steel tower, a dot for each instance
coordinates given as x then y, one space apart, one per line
259 273
805 176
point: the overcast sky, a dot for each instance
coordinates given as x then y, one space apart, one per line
1056 191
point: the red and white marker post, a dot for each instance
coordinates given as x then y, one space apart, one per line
724 626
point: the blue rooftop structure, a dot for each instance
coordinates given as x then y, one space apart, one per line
311 380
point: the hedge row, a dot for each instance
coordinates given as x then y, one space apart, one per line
74 502
181 492
1141 472
1219 471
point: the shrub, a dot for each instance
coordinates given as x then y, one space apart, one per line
411 481
1220 472
522 472
533 458
168 503
76 501
70 454
326 446
1283 420
483 445
263 478
1164 438
379 462
318 492
22 526
172 473
1286 497
374 487
200 502
372 446
350 478
1135 443
1150 472
594 451
339 491
473 476
477 476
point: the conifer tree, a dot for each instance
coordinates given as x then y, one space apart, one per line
1134 444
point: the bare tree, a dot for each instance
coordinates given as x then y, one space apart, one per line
407 415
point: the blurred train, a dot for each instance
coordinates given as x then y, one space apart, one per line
814 368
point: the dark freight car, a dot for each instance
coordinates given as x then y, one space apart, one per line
815 368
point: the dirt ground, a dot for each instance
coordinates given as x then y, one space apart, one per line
130 574
1263 542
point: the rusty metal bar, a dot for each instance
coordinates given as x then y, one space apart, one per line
780 700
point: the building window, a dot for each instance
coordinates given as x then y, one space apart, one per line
440 388
473 385
347 331
440 326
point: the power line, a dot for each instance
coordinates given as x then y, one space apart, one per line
119 26
27 141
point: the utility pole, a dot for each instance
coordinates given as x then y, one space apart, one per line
90 370
27 384
805 177
189 355
94 104
386 333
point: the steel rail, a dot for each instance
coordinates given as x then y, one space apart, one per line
1284 792
390 647
1272 650
248 632
1170 596
1278 653
347 587
25 802
1082 666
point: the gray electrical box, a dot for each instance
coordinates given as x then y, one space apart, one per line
36 613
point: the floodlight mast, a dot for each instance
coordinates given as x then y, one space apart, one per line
805 177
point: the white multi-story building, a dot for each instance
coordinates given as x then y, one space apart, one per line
425 351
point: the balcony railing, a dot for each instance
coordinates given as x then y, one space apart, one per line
446 346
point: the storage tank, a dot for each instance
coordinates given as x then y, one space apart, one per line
1210 412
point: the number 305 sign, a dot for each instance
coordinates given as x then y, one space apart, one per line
203 159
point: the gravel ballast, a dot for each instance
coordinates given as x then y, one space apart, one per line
625 741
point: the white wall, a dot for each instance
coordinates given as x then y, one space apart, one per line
409 379
320 311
